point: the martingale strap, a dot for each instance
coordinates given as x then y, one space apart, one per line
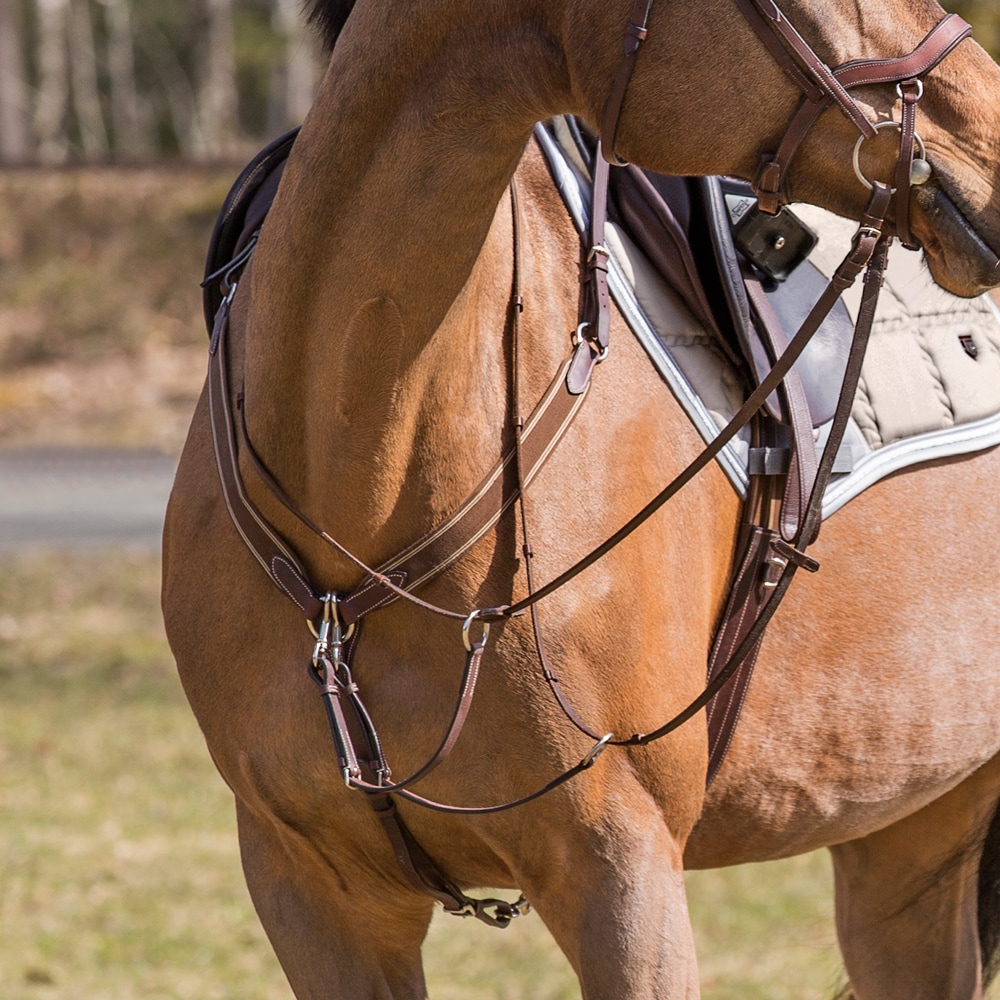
420 562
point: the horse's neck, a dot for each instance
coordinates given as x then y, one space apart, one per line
372 330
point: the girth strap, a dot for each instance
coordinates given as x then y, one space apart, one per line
766 554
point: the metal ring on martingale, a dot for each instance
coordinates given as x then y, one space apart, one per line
577 338
922 151
468 625
596 750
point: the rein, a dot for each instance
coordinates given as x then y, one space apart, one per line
335 618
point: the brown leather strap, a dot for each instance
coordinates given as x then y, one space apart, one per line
635 35
269 549
910 91
802 462
938 43
419 562
845 276
426 877
869 251
800 62
593 329
755 593
747 597
432 554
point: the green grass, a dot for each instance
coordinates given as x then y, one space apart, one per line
120 877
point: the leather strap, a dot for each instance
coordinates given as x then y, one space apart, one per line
910 92
845 276
757 590
939 42
417 564
426 877
800 62
635 35
593 329
801 471
868 251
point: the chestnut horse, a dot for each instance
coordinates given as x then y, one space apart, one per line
370 346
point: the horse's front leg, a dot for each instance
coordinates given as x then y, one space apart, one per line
339 932
616 905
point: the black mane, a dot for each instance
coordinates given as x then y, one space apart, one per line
330 16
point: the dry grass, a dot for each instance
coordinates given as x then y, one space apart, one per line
101 336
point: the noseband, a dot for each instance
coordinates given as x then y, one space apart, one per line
332 616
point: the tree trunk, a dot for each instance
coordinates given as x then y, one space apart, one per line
293 84
86 95
131 132
13 92
52 101
218 101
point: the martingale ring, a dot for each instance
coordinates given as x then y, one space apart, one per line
921 152
467 626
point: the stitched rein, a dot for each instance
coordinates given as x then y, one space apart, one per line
333 617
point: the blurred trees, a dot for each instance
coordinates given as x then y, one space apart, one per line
129 80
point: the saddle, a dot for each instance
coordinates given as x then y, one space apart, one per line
744 278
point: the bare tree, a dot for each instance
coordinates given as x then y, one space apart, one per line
218 99
131 132
52 99
293 83
13 90
86 95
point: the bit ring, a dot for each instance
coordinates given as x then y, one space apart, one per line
856 159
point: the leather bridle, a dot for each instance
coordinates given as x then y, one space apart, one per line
333 617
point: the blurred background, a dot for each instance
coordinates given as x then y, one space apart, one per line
122 125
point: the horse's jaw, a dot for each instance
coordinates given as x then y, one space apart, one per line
963 257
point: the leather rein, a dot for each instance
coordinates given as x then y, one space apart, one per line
335 619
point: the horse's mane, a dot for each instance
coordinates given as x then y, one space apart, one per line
329 16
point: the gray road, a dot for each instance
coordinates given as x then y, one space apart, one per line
69 498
